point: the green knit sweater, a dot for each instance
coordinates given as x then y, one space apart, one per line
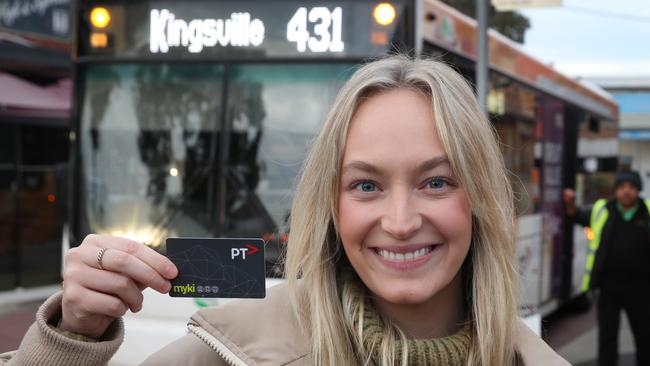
451 350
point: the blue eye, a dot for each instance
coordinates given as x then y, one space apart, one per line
436 183
366 186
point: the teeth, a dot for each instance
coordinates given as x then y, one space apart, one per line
404 256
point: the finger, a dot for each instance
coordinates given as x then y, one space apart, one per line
112 283
85 303
153 259
141 287
115 260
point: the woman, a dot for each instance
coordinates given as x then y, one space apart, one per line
402 235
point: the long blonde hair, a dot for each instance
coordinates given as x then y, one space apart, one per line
314 253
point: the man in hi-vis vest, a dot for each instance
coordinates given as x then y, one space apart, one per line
618 264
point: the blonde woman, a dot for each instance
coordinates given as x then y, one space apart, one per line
401 250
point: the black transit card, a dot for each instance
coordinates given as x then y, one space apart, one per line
209 267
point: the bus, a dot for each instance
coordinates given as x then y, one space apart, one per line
555 132
192 118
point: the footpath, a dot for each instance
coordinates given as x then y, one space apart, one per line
575 337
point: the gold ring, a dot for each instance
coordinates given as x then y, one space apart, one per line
100 256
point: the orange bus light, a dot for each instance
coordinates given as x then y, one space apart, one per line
379 38
98 40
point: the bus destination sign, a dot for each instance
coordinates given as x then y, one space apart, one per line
243 29
237 31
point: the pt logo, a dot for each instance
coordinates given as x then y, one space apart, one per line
241 252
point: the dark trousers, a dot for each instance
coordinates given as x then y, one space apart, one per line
636 303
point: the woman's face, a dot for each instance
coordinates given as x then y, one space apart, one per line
405 222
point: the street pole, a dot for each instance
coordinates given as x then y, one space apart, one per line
482 53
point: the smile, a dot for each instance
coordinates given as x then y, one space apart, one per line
406 257
403 257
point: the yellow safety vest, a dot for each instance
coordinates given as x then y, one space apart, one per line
597 220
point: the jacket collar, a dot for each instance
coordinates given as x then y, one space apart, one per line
258 331
266 332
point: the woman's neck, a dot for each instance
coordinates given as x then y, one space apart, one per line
440 316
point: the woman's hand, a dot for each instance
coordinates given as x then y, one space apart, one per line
94 297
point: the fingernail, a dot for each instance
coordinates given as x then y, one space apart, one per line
171 271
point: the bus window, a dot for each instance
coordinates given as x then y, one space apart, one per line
274 111
517 144
149 147
513 112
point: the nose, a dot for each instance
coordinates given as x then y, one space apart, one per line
401 218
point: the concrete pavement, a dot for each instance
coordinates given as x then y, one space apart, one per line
582 350
14 321
575 337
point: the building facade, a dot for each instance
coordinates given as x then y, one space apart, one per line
35 95
633 96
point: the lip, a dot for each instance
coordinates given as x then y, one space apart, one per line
404 248
405 265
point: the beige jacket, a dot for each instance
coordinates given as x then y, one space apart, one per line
246 332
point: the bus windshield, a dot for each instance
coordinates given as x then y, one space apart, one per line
163 153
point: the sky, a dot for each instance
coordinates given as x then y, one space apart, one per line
592 38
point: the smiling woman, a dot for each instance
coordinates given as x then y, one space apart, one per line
420 216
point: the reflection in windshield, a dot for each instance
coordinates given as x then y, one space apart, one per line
149 150
275 111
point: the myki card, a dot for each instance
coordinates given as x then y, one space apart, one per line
217 267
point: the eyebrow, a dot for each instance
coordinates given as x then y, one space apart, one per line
371 169
432 163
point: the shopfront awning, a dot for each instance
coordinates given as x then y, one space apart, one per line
23 99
